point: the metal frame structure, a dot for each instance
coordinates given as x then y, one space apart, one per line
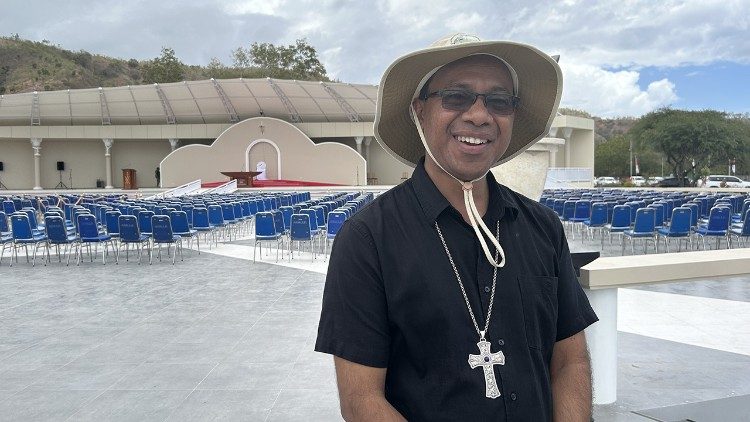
350 112
106 119
171 119
293 114
35 117
209 101
233 117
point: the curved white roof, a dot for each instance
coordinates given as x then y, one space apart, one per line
206 101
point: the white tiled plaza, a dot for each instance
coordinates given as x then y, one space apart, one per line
219 337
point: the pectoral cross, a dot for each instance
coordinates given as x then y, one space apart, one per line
487 360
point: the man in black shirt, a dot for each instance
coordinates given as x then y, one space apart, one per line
452 297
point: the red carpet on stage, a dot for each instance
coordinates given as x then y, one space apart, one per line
273 183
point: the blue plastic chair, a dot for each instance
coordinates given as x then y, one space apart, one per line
88 232
660 211
216 218
598 220
112 223
230 219
181 228
679 228
695 211
58 234
9 207
336 219
144 222
4 229
6 236
131 234
162 235
741 233
719 219
300 232
24 235
620 220
286 213
320 217
202 224
265 231
314 229
644 229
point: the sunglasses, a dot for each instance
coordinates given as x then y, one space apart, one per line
461 100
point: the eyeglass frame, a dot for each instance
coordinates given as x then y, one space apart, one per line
515 100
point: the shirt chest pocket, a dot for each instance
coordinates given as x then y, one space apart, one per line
539 300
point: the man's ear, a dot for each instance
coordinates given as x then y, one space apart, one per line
418 106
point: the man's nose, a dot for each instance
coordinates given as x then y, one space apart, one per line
478 113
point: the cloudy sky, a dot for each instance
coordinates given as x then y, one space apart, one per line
619 57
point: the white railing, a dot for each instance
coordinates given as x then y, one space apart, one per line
602 277
185 189
227 187
563 177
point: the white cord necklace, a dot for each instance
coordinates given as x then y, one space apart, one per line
486 359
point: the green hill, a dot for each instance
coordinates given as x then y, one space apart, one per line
27 66
40 66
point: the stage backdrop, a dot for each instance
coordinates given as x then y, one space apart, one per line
286 150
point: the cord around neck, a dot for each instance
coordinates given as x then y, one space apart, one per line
475 219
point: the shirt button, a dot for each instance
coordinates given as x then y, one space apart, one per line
513 396
501 342
487 289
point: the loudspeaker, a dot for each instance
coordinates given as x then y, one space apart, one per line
61 166
2 167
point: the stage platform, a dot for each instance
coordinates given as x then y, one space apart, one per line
220 337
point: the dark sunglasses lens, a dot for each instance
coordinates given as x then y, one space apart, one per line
499 104
458 100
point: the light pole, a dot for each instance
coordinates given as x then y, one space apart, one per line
630 150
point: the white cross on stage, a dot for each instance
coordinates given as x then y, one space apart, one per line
487 360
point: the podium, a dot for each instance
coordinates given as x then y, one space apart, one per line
244 178
128 179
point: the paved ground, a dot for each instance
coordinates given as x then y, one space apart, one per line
218 337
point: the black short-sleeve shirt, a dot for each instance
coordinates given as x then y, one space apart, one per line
392 300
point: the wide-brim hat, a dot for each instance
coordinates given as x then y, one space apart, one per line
539 86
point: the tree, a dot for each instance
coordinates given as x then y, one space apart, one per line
295 61
240 58
690 139
165 68
215 68
611 157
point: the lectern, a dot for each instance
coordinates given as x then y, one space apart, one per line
128 179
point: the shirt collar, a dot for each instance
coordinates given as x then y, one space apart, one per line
433 202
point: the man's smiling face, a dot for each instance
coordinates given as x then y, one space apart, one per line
467 143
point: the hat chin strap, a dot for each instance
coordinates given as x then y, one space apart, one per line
475 218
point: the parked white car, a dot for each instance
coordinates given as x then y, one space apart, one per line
717 180
605 181
638 180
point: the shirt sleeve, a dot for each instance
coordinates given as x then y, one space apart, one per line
353 320
574 312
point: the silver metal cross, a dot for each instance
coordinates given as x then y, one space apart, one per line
487 360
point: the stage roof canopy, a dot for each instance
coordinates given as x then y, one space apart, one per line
193 102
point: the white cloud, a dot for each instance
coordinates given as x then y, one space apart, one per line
612 93
466 22
358 40
264 7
